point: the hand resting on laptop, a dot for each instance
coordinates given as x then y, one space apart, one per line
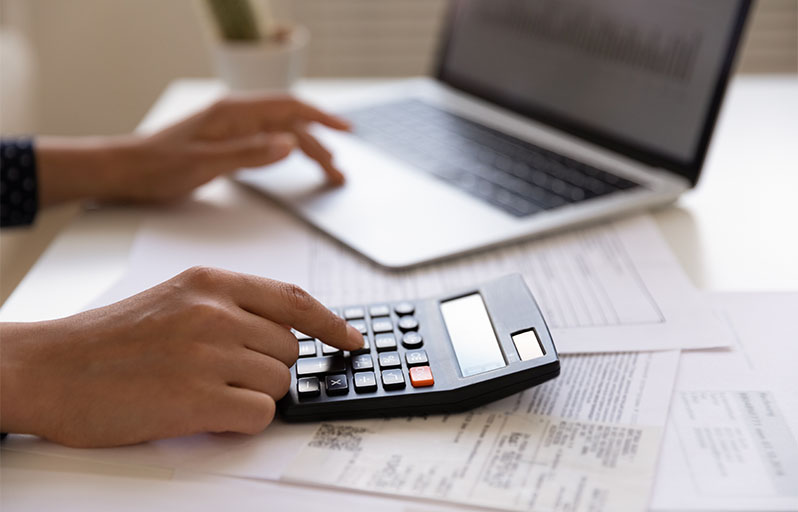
235 132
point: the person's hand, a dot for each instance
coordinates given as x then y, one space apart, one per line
207 351
234 132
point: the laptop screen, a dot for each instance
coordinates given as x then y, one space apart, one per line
642 77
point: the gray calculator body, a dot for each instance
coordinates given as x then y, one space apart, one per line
477 345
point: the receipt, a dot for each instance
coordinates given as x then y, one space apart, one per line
508 461
587 440
731 442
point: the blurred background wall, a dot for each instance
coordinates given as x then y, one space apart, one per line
95 66
77 67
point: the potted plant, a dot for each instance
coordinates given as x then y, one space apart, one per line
251 51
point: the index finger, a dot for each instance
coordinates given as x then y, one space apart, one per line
275 112
289 304
309 113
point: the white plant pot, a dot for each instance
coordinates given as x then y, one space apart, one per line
263 66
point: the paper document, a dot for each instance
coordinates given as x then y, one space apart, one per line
588 440
608 288
507 461
730 442
601 420
67 486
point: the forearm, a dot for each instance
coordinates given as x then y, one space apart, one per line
79 168
20 379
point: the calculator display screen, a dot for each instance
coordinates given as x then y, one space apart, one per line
472 335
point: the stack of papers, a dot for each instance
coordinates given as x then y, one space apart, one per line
666 400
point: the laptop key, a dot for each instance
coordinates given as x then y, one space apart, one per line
486 163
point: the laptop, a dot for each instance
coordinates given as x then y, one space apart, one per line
542 115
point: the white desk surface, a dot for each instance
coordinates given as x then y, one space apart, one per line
735 231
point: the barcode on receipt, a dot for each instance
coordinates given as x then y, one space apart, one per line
338 437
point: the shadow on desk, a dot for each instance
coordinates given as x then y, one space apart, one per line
682 232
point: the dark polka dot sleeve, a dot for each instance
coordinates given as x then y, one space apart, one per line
19 197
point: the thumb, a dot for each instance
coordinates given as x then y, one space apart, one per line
253 151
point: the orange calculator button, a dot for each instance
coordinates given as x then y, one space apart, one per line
421 376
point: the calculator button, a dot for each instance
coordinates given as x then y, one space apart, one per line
320 365
404 308
379 310
302 336
385 342
308 387
416 357
365 348
354 313
390 360
408 323
362 362
382 325
329 350
365 382
412 339
307 349
360 325
336 384
420 377
393 379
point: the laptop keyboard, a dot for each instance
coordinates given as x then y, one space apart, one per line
514 175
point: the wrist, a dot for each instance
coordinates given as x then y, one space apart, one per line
82 168
19 393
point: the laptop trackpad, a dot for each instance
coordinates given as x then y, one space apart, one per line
384 210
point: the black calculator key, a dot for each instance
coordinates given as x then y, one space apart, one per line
382 325
362 362
379 310
393 379
385 342
412 339
404 308
408 323
307 349
416 357
336 384
308 387
329 350
365 382
390 360
320 365
354 313
365 348
360 325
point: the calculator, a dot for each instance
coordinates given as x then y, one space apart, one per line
437 355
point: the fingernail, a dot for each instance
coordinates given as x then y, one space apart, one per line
345 125
337 178
356 337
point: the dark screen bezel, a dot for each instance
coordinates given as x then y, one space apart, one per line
690 168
